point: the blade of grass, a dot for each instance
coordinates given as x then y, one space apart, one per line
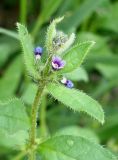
45 15
23 11
9 33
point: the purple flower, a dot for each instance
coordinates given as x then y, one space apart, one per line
57 63
38 52
67 83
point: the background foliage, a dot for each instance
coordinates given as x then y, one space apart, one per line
98 75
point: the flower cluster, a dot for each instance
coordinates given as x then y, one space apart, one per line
57 64
59 40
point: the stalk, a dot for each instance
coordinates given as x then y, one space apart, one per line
43 127
34 113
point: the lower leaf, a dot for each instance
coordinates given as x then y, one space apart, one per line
73 148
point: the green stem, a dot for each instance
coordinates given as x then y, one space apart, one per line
47 65
43 127
34 112
23 11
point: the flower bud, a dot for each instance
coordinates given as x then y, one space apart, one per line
38 52
67 83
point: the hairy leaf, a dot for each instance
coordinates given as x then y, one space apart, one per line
75 56
77 100
13 116
51 33
73 148
66 45
28 49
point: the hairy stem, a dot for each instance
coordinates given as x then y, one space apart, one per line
43 127
34 113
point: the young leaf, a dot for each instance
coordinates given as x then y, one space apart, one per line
28 48
51 33
75 56
66 45
13 116
77 100
73 148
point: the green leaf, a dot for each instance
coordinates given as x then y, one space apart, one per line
75 56
10 80
51 33
8 46
73 148
77 100
15 141
13 117
28 50
78 74
64 47
78 131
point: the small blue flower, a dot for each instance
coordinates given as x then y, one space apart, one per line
67 83
57 63
38 52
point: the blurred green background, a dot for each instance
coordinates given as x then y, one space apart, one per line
98 76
